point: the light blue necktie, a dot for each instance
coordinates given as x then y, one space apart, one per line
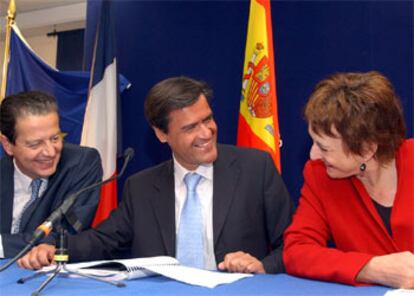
190 237
35 185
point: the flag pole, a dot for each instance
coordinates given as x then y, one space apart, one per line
11 14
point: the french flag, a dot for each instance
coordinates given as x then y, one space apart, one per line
100 122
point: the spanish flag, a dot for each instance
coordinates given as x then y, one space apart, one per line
258 121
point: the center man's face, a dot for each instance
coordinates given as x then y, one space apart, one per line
192 134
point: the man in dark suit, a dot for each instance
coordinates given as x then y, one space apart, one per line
245 206
33 142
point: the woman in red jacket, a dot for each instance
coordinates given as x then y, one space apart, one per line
358 193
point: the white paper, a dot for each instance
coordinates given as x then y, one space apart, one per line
162 265
400 292
197 277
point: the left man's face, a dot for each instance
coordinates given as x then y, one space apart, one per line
38 145
192 134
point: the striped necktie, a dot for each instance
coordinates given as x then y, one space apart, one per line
35 185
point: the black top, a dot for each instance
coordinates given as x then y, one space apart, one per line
385 214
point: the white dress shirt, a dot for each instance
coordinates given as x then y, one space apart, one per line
205 193
22 194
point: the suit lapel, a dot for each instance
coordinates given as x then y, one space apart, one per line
226 175
28 215
6 194
369 204
164 205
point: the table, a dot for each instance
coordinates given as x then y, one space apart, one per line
281 284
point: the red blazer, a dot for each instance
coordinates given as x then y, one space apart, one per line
341 211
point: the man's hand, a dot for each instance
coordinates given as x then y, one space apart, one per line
393 270
241 262
39 256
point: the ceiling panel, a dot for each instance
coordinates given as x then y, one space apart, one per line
31 5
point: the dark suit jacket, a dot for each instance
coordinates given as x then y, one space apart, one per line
77 168
251 209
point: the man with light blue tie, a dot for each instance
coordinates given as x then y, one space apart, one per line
39 171
212 206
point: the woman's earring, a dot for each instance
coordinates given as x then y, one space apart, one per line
362 167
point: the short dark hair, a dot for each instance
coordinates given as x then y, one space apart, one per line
172 94
23 104
363 108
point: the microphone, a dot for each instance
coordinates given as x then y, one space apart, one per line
46 227
129 154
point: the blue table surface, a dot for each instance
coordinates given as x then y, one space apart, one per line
281 284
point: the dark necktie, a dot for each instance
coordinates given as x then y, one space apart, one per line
35 185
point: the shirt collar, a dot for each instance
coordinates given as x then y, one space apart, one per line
23 181
20 179
204 170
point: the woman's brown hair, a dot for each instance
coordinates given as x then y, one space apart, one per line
363 108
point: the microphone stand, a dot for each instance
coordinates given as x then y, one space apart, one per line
61 257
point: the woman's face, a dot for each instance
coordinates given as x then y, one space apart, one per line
339 162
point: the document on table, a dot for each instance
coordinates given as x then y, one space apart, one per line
169 267
198 277
400 292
